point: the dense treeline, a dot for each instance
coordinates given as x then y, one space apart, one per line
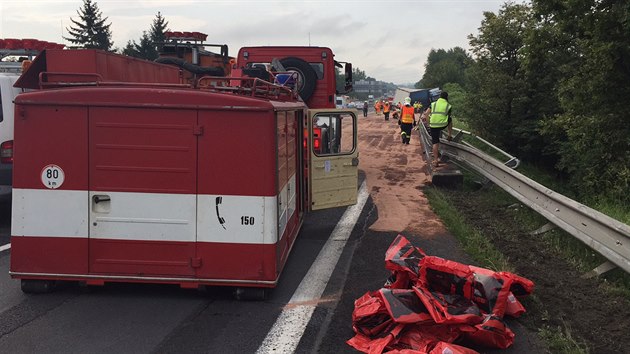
549 82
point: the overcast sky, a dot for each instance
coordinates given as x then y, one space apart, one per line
389 40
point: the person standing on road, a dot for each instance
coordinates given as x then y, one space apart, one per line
407 121
377 107
417 107
365 108
386 110
439 113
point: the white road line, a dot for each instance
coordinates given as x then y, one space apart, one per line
290 325
5 247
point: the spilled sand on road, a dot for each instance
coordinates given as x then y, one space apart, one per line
395 175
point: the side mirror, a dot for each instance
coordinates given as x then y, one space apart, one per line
348 86
224 54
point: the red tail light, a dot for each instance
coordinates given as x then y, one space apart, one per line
317 138
6 152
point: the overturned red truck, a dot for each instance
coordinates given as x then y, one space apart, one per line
132 171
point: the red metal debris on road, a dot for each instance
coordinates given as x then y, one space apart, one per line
429 303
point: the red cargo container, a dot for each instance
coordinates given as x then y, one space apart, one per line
169 184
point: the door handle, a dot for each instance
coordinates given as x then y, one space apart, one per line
101 198
101 203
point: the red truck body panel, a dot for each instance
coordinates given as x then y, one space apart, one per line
214 179
92 65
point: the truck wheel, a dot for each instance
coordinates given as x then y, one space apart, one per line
30 286
250 294
307 78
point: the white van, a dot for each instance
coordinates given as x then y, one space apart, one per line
10 71
7 95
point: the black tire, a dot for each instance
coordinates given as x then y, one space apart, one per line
308 78
250 294
31 286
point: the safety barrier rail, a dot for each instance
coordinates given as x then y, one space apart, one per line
513 162
607 236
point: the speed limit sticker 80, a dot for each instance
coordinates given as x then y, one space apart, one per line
52 176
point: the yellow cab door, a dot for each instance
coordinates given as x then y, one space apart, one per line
334 158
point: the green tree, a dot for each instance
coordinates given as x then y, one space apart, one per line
145 49
444 66
591 133
358 74
90 31
149 44
457 98
498 103
158 29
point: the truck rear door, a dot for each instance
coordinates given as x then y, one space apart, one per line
333 169
142 191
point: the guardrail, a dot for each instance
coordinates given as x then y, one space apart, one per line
607 236
512 161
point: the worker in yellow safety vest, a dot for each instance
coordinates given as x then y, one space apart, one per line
417 107
407 121
386 110
440 118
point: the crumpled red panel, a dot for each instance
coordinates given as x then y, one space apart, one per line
429 303
444 348
403 306
403 260
370 316
492 332
514 307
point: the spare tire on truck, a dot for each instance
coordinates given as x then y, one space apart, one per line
307 79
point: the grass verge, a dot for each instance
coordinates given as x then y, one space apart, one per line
473 242
561 341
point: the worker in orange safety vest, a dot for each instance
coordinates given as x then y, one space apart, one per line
386 108
407 121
